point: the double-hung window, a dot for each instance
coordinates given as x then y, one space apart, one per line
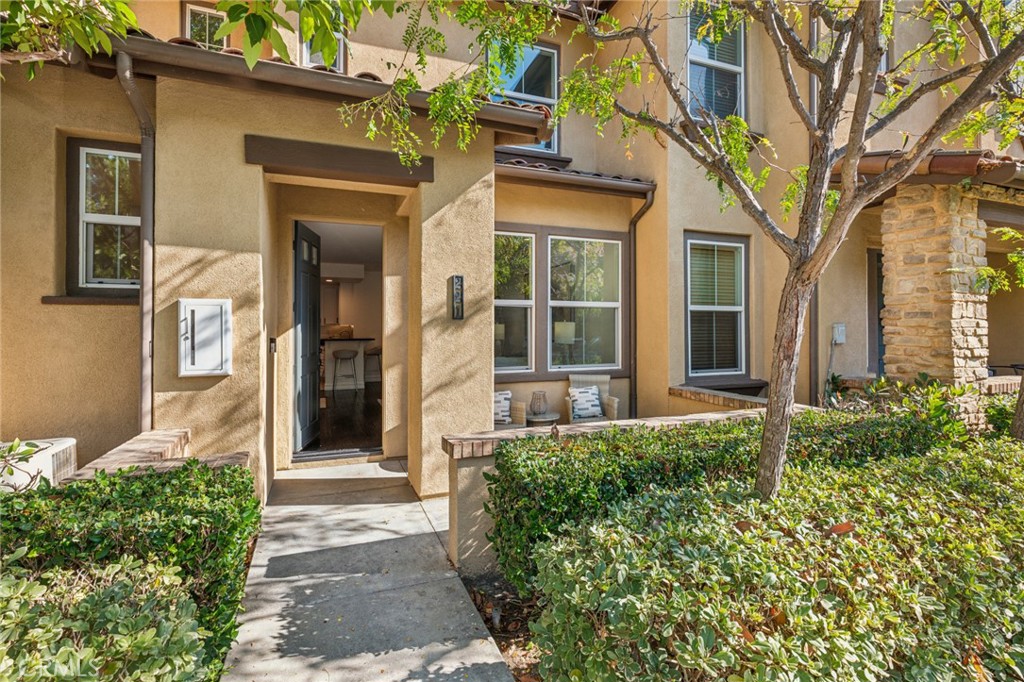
104 220
715 71
585 303
315 58
534 80
513 302
203 24
716 306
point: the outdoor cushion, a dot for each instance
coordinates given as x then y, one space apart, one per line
503 407
586 402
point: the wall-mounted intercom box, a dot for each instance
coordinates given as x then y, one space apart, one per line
204 337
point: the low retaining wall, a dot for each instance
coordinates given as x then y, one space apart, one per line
160 450
471 455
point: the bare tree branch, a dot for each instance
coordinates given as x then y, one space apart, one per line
770 19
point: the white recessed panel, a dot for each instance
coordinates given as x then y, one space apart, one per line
204 337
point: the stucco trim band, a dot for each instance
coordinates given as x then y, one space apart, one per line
334 162
157 58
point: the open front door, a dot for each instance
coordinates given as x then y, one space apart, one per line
307 336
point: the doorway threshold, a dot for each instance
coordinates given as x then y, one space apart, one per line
319 458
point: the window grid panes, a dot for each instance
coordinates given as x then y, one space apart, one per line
203 25
715 72
513 301
715 308
585 288
311 58
535 81
109 218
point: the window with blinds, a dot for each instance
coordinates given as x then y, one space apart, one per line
715 307
715 71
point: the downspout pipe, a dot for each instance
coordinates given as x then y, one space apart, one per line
644 208
147 130
815 310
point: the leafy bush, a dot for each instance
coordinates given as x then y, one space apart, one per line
541 483
123 621
929 399
901 569
198 519
999 410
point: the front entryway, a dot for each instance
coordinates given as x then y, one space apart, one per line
339 268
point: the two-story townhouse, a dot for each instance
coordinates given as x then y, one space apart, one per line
274 230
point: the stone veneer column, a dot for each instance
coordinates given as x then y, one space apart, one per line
933 321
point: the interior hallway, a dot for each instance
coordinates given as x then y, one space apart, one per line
350 582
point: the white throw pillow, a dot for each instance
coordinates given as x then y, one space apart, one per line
503 407
586 402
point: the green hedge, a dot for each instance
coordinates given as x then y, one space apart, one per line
902 569
198 519
541 483
999 410
124 621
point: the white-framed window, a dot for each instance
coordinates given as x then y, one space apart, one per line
585 303
715 306
715 71
513 301
109 218
535 81
311 58
203 24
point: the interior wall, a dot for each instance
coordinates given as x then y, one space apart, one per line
330 293
360 304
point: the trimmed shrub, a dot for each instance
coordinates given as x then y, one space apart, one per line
903 569
123 621
198 519
999 410
542 483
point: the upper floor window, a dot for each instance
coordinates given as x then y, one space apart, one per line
716 305
513 302
104 217
311 58
203 24
715 72
535 81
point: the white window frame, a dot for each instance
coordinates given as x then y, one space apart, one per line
339 58
530 304
741 309
741 101
552 304
84 218
189 9
551 103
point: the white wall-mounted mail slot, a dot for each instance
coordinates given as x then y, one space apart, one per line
204 337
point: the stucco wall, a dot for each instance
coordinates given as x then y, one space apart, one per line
67 370
843 296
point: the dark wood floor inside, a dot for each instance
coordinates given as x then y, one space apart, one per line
350 421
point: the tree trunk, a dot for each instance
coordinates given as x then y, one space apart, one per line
796 295
1017 425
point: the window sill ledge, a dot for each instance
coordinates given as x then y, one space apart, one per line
90 300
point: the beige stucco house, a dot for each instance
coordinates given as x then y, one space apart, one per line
608 263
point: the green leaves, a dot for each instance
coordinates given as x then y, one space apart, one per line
194 520
541 484
34 31
925 587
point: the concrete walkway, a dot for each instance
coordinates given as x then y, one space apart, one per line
350 581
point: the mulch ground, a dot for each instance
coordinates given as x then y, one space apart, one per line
507 616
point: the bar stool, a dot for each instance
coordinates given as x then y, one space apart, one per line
341 356
373 352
